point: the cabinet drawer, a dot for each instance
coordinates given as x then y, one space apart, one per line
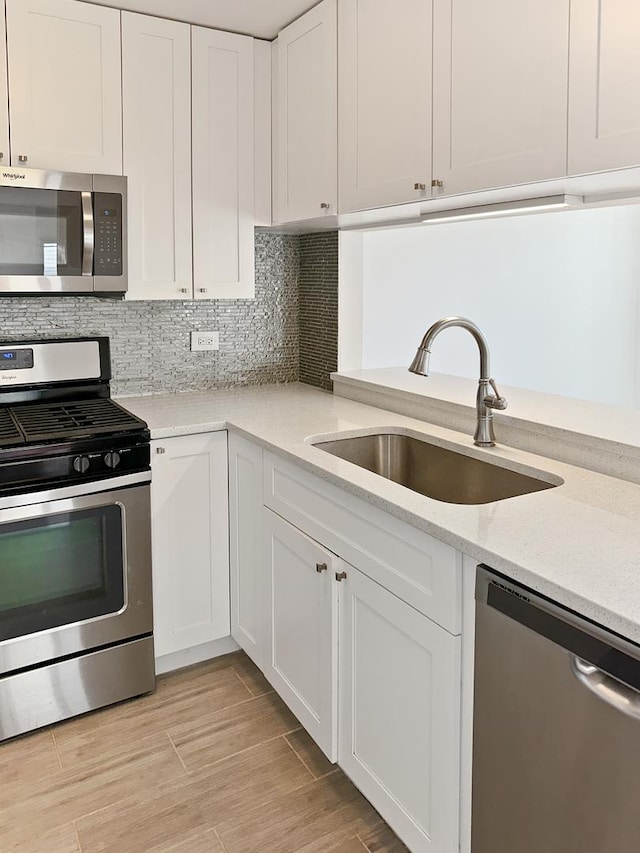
417 568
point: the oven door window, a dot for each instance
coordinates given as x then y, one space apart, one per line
59 569
40 232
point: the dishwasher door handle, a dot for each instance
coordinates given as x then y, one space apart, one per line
622 697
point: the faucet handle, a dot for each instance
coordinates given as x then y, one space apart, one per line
495 401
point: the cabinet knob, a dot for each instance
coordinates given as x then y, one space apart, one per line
184 290
321 567
1 155
324 205
419 186
436 184
340 576
202 290
22 158
160 450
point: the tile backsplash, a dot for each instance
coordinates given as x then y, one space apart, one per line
260 338
318 311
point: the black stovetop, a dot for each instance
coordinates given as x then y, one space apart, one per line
37 422
53 443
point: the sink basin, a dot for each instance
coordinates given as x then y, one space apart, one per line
435 471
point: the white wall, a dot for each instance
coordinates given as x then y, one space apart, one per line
556 295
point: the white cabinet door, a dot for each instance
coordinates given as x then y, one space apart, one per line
499 92
303 613
384 78
156 78
223 164
262 113
189 511
604 81
306 168
4 94
399 715
65 85
248 564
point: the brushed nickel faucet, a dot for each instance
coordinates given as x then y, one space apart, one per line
485 400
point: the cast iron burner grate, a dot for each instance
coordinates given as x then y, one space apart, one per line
9 432
47 421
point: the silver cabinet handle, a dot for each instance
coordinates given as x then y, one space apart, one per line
202 290
436 184
620 696
324 205
184 290
321 567
160 450
340 576
22 158
1 155
418 186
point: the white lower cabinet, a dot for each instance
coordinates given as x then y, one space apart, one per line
399 718
373 679
247 563
189 516
302 602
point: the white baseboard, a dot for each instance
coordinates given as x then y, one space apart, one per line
197 654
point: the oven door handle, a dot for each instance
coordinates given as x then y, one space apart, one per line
78 490
87 233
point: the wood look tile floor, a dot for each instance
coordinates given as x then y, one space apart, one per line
212 762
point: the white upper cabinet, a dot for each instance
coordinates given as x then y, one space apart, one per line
604 85
262 114
500 92
306 116
384 102
223 164
65 86
156 74
4 94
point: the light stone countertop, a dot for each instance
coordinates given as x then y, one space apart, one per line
578 543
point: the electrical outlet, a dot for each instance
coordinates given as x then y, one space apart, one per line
204 341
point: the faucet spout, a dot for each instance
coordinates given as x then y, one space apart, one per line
485 399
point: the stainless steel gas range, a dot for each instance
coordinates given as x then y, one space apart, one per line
75 541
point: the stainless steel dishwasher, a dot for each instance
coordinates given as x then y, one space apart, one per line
556 746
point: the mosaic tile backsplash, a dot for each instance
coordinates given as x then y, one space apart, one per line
318 311
259 338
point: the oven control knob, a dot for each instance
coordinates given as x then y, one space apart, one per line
81 464
112 459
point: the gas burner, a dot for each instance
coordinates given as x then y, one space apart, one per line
72 419
58 423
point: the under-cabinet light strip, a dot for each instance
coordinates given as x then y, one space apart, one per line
505 208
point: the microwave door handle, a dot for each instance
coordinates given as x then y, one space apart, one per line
87 234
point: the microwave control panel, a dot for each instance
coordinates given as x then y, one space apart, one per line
107 213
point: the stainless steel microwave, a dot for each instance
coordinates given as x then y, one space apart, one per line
62 232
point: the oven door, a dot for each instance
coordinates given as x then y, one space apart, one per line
75 570
46 232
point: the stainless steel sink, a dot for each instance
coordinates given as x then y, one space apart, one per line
435 471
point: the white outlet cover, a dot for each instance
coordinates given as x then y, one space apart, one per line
205 341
